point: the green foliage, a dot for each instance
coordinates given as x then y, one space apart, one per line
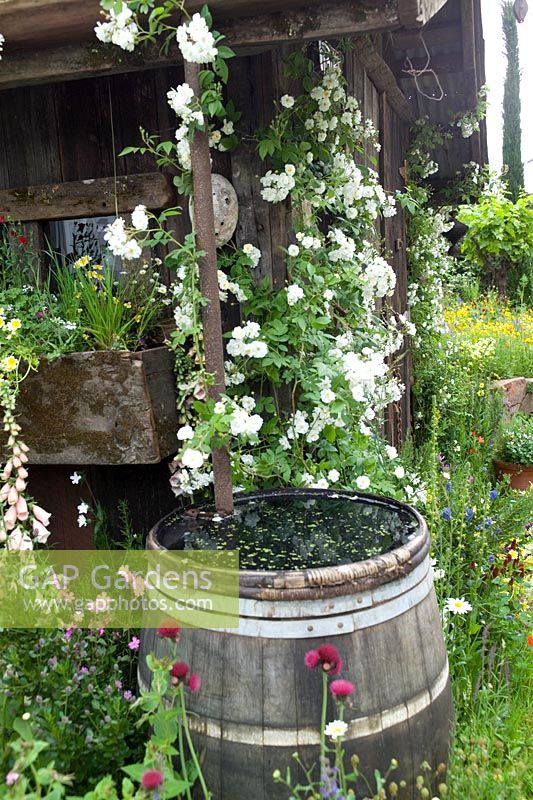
500 237
71 687
108 740
512 130
516 440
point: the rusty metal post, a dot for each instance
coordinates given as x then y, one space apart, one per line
204 228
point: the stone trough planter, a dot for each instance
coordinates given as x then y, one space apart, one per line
105 407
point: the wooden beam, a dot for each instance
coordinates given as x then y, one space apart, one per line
323 21
89 198
416 13
383 77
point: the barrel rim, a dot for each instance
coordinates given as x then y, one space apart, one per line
317 582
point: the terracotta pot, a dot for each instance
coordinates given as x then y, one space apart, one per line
521 477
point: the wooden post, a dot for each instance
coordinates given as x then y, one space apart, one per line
204 228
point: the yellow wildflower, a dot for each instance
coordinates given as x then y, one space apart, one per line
9 363
14 325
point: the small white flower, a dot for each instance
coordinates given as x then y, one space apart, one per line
336 729
294 293
333 476
290 169
253 253
399 472
83 508
256 349
287 101
184 433
458 605
82 521
193 459
391 452
75 478
327 396
362 482
139 218
293 250
220 407
228 127
131 249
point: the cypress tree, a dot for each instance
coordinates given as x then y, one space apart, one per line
512 130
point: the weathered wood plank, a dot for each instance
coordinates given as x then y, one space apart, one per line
83 131
394 141
101 408
323 21
435 34
88 198
62 21
52 489
254 214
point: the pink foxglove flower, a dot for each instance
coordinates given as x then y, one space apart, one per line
40 533
22 509
41 515
10 518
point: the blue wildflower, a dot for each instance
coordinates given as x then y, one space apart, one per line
493 494
491 559
446 514
448 486
488 523
469 515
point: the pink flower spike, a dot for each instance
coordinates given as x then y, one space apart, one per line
341 689
312 659
12 496
194 682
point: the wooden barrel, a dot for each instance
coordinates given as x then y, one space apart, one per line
259 704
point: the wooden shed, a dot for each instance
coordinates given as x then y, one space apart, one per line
69 104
